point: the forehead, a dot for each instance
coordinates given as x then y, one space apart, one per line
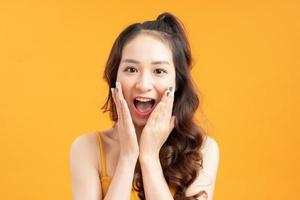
147 48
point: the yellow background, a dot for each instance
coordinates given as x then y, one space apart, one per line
52 55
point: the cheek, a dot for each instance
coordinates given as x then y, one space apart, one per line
126 89
166 83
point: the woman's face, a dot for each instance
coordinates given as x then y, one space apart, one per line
146 70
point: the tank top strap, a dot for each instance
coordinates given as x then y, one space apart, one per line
102 157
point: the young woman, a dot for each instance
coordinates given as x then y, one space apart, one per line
154 151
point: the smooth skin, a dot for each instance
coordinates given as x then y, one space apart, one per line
137 137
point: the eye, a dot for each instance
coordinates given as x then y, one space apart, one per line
130 68
160 71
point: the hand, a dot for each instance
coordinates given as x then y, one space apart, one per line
158 127
128 140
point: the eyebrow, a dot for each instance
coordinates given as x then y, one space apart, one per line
128 60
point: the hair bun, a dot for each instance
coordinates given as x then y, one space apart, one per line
167 18
172 21
176 27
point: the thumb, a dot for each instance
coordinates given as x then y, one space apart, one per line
172 122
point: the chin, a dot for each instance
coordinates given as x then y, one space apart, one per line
140 122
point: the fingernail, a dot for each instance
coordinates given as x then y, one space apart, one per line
117 86
172 94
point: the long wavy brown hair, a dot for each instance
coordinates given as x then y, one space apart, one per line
180 155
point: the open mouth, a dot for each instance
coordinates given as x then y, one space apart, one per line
144 107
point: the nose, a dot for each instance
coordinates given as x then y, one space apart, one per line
144 83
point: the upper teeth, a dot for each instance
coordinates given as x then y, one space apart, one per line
143 99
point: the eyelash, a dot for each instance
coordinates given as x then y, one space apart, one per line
164 71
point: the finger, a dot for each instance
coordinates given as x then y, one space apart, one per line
159 109
120 91
125 110
158 115
126 115
161 104
116 103
165 96
120 97
113 94
170 100
168 95
172 123
116 100
167 102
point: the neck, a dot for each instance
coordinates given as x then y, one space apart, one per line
138 131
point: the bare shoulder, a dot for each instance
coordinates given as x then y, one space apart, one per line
86 138
210 145
206 179
84 167
86 146
211 157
